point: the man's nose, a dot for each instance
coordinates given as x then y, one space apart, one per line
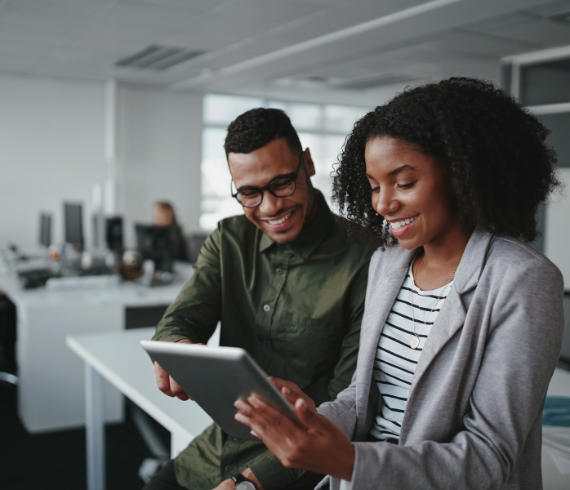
270 204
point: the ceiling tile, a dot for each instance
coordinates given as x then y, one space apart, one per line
84 8
240 24
275 11
198 5
193 38
532 29
550 8
50 35
151 15
464 41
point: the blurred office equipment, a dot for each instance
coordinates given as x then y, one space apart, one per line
157 244
45 230
7 340
73 215
51 378
108 234
114 234
195 242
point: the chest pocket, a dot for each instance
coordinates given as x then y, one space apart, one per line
299 348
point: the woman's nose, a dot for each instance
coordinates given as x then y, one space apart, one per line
384 203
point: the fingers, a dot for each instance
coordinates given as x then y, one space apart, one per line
289 385
177 391
289 395
263 419
162 380
307 414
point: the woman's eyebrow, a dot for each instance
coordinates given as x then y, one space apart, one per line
401 169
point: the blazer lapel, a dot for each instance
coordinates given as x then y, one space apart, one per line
452 314
378 306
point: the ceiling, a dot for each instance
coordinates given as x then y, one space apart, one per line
351 51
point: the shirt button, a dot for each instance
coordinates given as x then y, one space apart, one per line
228 468
279 271
266 307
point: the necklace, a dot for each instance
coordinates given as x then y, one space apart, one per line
415 340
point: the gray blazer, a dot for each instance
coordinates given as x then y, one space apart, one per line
473 419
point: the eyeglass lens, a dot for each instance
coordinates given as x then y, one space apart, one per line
280 188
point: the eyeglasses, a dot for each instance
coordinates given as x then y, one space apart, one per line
281 186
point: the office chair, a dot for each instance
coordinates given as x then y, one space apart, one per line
7 340
195 242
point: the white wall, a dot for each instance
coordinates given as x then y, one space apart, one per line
51 149
557 228
160 136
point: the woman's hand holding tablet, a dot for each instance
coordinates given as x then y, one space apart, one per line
316 444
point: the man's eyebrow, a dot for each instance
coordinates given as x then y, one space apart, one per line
252 187
401 169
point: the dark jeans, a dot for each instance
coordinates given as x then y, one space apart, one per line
165 479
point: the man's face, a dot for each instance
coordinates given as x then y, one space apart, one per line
280 218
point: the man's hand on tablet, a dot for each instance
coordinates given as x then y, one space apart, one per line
166 384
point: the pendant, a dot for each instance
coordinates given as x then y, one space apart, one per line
415 342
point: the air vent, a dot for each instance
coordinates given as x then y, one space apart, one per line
376 82
156 57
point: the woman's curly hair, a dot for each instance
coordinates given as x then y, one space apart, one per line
494 153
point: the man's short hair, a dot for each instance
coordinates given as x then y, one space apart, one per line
258 127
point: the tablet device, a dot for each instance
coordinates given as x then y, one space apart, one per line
215 377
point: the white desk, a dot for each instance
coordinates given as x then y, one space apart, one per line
118 358
52 388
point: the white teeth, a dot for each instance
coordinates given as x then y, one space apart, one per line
398 224
279 221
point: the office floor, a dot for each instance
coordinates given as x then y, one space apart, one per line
56 461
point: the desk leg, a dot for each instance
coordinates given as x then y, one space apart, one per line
95 429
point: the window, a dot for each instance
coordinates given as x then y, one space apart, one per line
322 128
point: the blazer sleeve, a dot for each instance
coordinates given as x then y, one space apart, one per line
524 316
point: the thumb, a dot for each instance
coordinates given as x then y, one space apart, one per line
308 415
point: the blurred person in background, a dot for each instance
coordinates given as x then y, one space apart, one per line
163 215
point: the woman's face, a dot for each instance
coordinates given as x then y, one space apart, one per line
161 216
410 191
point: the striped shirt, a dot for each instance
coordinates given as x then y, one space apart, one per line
396 361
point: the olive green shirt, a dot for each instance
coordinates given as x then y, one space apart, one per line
296 308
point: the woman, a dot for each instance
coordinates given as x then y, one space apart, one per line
164 216
463 320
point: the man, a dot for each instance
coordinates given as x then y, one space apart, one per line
287 287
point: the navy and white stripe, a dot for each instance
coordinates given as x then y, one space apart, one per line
396 361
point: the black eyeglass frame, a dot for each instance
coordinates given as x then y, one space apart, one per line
293 176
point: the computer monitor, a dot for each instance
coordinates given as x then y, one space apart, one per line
45 230
73 214
156 243
114 234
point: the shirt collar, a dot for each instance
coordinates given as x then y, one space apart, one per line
312 233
